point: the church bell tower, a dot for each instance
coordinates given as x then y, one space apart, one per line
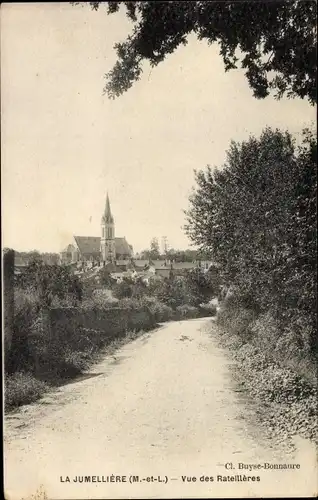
108 249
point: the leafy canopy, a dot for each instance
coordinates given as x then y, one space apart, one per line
257 216
50 282
274 42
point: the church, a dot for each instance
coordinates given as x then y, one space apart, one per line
98 249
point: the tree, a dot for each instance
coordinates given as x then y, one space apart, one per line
202 286
124 289
140 288
105 278
153 253
173 254
274 42
49 282
257 215
175 291
154 249
32 256
46 257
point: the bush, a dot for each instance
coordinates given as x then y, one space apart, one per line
290 346
74 362
265 333
51 282
129 303
22 388
104 278
160 311
236 321
124 289
172 291
26 306
187 312
26 311
100 299
104 297
208 309
201 286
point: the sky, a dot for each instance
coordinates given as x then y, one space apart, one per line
65 144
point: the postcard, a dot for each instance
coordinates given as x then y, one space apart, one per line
159 258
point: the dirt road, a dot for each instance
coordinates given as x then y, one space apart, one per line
166 409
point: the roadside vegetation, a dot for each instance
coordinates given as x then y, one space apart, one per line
37 360
24 386
257 217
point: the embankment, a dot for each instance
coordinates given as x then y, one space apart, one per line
282 383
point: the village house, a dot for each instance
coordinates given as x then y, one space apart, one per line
148 269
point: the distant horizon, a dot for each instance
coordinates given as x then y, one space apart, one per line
64 144
5 247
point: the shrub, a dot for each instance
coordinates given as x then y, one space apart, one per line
26 311
129 303
201 286
74 362
265 333
26 306
100 299
160 311
236 321
172 291
22 388
187 312
208 309
105 279
104 297
124 289
289 345
51 281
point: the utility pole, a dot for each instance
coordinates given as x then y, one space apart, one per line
164 245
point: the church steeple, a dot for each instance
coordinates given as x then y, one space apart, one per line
108 248
107 217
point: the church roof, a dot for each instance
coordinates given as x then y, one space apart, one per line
122 247
90 245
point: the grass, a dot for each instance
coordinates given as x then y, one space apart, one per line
22 388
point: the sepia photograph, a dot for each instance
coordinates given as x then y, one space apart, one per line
159 247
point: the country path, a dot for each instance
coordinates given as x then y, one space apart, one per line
165 405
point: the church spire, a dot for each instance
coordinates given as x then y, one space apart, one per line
107 242
108 217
